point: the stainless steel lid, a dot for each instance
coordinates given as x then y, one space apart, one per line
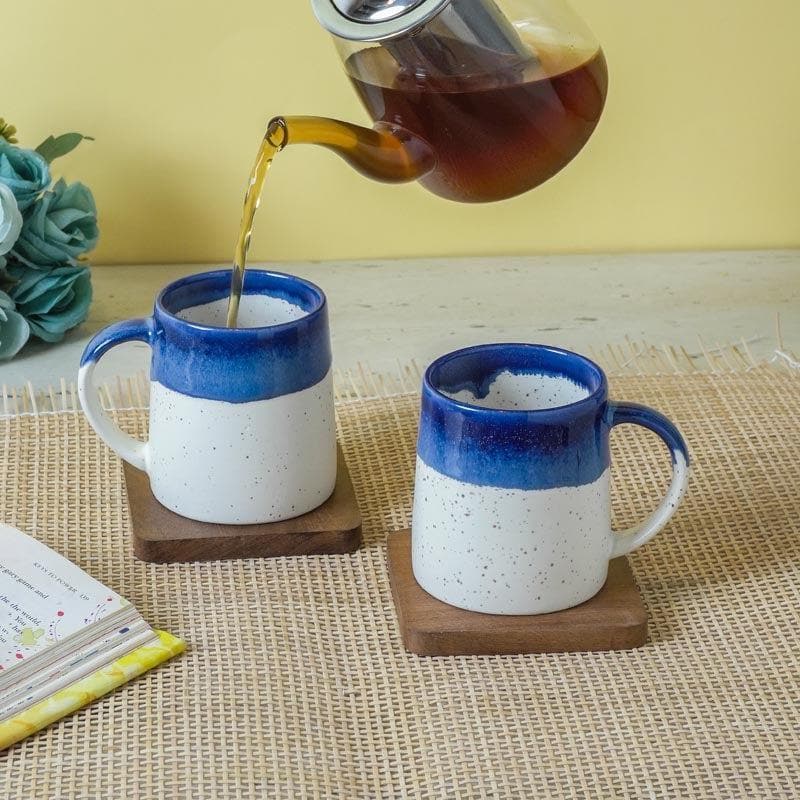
374 20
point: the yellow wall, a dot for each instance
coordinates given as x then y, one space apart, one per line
699 146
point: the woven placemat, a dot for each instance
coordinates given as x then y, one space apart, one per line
297 685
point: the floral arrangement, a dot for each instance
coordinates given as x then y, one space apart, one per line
46 230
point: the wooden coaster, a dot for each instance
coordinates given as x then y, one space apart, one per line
614 619
162 536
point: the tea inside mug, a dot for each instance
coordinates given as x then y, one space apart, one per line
255 311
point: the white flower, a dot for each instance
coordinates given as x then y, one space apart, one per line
10 219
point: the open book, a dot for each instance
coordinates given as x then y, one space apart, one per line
65 639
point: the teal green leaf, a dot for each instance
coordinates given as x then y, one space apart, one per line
54 147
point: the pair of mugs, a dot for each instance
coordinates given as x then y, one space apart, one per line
511 503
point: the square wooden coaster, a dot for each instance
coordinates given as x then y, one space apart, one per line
163 536
614 619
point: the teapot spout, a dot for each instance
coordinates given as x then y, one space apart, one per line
391 155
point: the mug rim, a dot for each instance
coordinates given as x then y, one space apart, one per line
319 304
591 399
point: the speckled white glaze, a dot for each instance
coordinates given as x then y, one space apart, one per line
242 463
524 392
242 426
255 311
510 551
511 504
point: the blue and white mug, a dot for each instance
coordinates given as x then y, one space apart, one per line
511 502
242 426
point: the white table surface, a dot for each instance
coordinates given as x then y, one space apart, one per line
387 312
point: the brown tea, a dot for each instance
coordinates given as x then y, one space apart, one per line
274 140
377 154
465 136
495 134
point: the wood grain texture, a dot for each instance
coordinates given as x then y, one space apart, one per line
614 619
162 536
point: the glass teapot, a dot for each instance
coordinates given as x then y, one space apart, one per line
478 100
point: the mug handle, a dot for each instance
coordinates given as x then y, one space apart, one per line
635 414
132 330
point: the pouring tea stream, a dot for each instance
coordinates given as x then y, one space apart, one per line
477 100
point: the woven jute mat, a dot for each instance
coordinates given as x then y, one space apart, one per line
296 683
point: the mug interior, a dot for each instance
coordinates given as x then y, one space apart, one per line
515 377
268 299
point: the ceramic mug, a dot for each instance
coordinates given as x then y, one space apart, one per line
242 423
511 503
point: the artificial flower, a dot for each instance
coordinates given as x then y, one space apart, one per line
8 131
10 219
61 226
14 330
25 172
52 302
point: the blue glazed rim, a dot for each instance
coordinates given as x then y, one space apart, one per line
564 363
272 284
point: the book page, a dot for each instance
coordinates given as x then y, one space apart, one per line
44 598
